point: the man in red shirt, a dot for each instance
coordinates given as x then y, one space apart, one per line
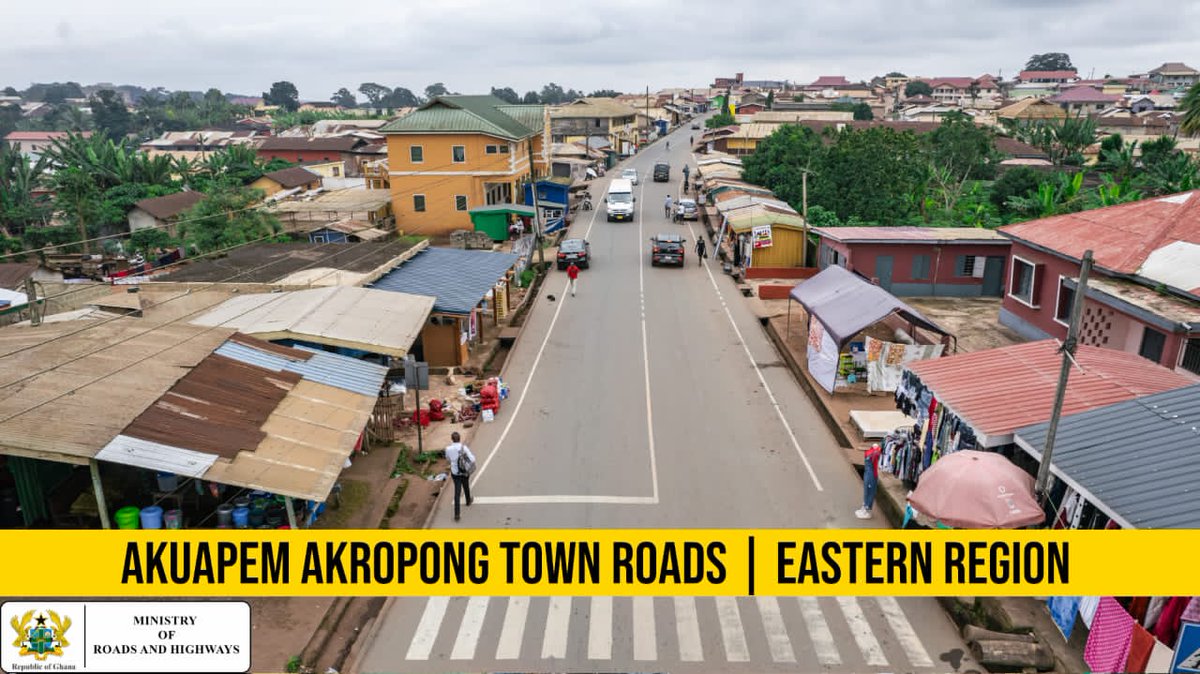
573 274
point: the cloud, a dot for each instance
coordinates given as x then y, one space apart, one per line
623 44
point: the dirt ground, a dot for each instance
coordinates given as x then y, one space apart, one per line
975 321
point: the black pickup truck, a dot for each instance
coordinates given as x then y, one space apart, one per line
662 172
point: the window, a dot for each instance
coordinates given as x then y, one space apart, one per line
416 154
458 153
964 265
1153 342
336 172
504 149
1066 299
460 202
920 267
419 203
1191 356
1022 286
491 149
596 123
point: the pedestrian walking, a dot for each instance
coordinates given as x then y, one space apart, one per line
667 210
870 481
462 462
573 274
701 250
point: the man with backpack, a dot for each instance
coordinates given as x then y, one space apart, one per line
462 464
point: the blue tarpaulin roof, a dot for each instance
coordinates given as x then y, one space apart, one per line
456 279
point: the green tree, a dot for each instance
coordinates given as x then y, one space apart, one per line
1062 139
1018 181
770 100
720 119
344 97
375 93
781 160
531 97
55 93
110 114
917 88
862 112
148 240
506 94
403 98
1118 159
10 117
1190 107
226 217
553 94
895 73
284 94
1061 194
78 197
876 174
22 205
10 91
1049 61
604 93
436 89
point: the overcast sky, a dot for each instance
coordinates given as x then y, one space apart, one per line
322 45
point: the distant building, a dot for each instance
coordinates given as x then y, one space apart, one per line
37 142
1174 75
353 152
1084 100
587 118
162 212
295 178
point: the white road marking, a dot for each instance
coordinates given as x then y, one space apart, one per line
513 630
427 629
818 631
861 630
909 641
468 631
600 629
566 498
757 370
732 634
777 636
645 641
558 623
646 352
687 625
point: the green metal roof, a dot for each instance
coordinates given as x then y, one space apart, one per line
518 209
468 114
531 116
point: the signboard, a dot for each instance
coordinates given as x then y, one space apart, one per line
1187 649
761 235
416 374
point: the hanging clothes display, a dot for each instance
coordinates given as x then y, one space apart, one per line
944 431
1140 647
1063 611
1087 609
902 454
1107 648
1161 657
1167 627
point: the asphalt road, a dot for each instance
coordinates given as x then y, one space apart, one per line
653 398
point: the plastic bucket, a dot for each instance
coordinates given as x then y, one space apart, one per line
257 516
127 518
168 481
152 517
241 502
173 519
224 515
241 518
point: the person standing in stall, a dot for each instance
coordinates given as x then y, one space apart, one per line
870 481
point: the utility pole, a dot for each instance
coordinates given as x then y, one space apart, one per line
537 210
1068 352
804 215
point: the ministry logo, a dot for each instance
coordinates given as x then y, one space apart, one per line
41 634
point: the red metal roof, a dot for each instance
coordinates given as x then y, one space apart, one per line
1121 237
1027 75
830 81
1000 390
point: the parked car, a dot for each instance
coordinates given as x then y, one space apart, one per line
662 172
631 175
695 125
688 210
578 251
666 249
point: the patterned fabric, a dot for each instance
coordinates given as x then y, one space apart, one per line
1191 614
1108 643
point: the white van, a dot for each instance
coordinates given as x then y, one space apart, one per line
618 205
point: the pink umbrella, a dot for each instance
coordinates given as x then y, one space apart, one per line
977 490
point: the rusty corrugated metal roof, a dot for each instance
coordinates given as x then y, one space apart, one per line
1000 390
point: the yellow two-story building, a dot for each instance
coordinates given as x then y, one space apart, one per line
456 153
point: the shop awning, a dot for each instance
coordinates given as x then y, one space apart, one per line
457 279
846 304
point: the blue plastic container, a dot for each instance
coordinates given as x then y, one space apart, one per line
241 518
152 517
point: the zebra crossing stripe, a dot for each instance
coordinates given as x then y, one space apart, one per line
777 636
732 634
909 641
687 625
818 631
513 630
600 629
558 623
861 630
645 642
427 629
468 631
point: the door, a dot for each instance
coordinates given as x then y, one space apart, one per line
993 277
883 271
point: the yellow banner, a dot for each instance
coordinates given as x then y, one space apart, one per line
700 562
